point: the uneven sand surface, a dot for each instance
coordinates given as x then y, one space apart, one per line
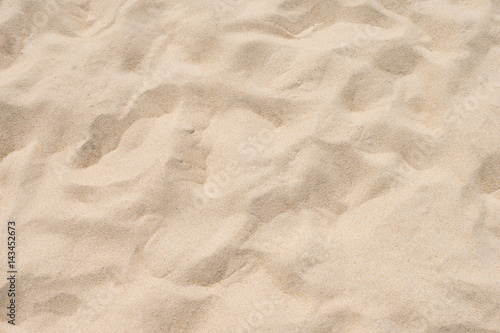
251 165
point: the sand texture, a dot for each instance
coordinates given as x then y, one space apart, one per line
289 166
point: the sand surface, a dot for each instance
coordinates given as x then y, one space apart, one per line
251 165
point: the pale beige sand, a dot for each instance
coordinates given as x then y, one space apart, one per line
251 165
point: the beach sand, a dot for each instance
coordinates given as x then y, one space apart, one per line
250 165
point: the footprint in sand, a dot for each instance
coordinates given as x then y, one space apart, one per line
419 150
489 174
398 59
370 138
365 88
103 138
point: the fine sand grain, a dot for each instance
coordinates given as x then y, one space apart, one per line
311 166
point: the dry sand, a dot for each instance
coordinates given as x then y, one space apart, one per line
251 165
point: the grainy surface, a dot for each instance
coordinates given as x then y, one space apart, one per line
251 165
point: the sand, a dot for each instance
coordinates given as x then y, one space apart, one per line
251 165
